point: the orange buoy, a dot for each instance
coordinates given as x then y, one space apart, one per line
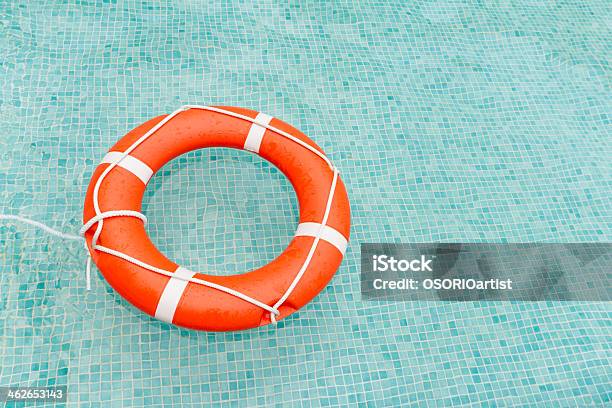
134 267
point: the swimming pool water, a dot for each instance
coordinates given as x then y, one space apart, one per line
449 122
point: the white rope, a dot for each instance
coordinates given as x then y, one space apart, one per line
100 215
42 226
306 263
267 126
110 214
99 218
144 137
88 268
194 280
56 233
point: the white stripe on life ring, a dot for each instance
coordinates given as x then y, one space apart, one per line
172 294
256 133
311 229
131 164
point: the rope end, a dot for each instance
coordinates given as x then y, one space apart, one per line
273 315
88 274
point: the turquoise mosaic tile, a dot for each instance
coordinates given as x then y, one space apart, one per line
449 121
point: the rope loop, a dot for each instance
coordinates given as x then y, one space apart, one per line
110 214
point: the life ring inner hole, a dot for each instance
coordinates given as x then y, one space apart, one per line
220 211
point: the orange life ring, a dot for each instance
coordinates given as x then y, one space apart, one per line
134 267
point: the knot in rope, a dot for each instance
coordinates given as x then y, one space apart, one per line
95 219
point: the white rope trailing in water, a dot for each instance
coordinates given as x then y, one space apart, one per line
73 237
55 233
42 226
102 215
